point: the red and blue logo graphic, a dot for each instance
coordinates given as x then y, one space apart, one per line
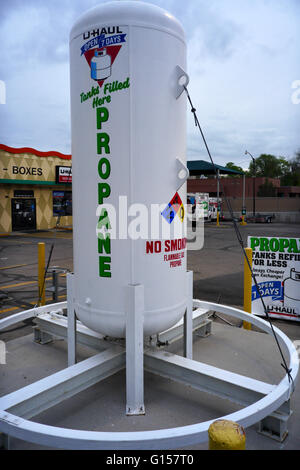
102 57
175 207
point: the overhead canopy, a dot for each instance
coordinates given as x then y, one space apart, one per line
201 167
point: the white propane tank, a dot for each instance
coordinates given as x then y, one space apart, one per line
100 65
128 160
291 288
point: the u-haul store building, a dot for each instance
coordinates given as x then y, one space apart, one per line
35 189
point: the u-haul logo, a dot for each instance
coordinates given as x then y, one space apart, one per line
101 51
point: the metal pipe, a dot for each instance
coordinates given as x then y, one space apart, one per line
41 273
218 197
244 203
254 176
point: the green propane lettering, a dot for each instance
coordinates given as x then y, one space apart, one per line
104 174
103 244
274 245
283 243
102 116
102 142
104 266
104 190
264 244
104 220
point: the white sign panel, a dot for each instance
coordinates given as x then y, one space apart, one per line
63 174
276 265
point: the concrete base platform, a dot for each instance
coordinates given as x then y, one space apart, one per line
168 404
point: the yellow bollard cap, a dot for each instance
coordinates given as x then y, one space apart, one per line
226 435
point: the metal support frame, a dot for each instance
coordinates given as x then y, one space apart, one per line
31 400
135 350
42 337
188 318
263 402
71 321
56 288
57 325
275 425
201 325
224 384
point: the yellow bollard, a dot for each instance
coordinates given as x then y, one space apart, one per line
247 287
243 221
226 435
41 273
218 219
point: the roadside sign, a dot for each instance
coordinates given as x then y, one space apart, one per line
63 174
276 265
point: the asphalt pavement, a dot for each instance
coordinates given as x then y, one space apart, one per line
218 277
217 267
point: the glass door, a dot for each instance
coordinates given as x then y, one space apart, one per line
23 212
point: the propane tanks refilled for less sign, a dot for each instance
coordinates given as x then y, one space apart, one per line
276 265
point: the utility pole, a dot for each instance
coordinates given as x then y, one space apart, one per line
254 175
244 202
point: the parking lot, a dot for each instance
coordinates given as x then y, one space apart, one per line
19 270
218 277
217 267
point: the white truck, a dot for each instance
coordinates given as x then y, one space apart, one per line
213 207
201 200
206 207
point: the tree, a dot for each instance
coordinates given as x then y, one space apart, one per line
269 166
232 166
292 178
266 189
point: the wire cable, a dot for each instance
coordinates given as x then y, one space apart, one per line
240 239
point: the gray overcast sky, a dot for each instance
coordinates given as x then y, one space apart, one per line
243 57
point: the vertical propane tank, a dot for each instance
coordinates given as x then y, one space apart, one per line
129 165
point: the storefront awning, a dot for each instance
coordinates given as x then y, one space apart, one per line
201 167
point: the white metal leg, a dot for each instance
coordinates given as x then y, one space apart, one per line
71 321
188 318
135 351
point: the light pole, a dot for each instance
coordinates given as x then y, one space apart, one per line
254 174
244 202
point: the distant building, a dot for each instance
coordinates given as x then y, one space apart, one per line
233 187
288 191
35 189
283 202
